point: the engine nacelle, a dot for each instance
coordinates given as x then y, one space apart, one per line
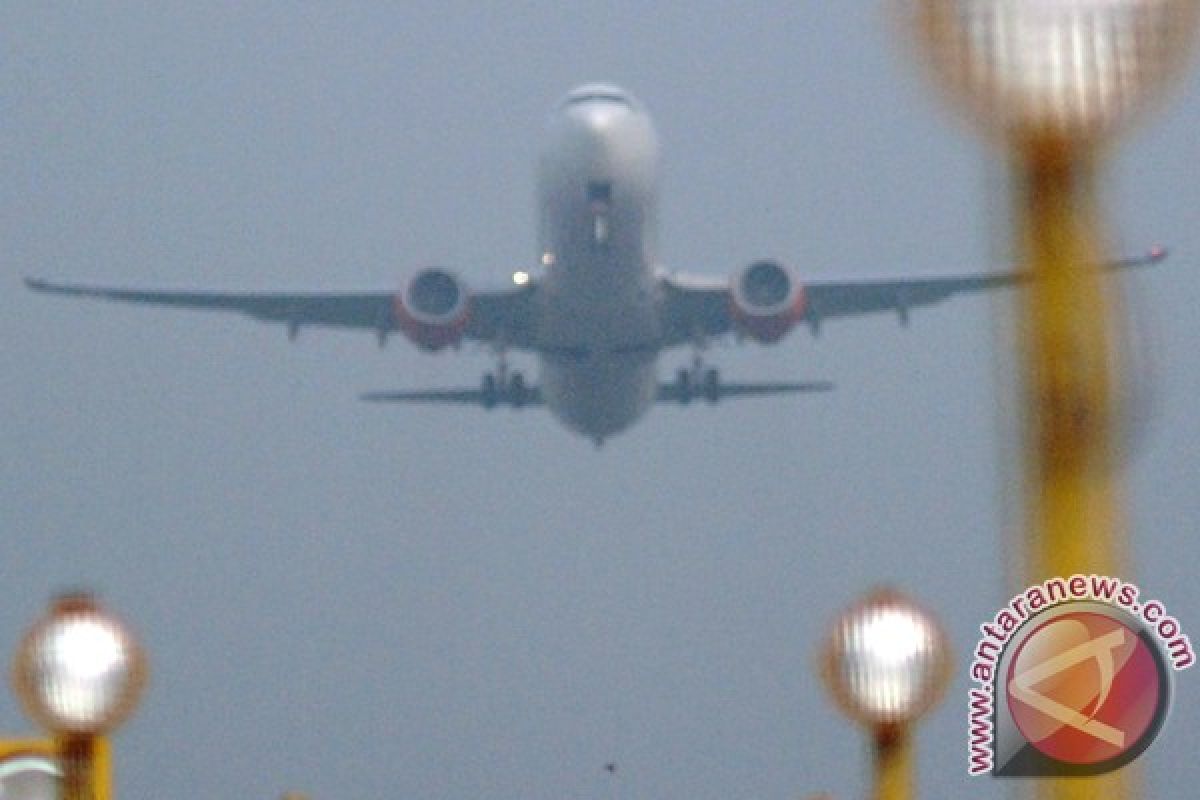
433 308
767 301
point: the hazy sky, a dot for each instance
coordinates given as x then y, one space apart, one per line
369 601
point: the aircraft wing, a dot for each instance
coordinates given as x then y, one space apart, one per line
697 306
531 396
674 393
493 314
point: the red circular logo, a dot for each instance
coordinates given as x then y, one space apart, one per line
1084 688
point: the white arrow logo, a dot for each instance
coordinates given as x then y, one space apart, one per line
1099 649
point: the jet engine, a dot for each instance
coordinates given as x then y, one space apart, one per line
767 301
433 308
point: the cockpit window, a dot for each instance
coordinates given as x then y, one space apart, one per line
587 98
597 93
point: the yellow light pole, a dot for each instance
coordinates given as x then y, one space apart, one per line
886 664
79 674
1053 80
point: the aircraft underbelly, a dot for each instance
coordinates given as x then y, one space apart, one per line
579 325
601 394
599 351
601 300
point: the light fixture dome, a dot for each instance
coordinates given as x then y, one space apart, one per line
79 670
886 661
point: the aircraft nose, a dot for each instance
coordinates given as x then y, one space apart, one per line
599 133
604 137
596 126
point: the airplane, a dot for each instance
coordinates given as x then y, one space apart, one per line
600 308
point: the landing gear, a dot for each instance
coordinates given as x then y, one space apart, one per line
697 381
491 392
502 386
683 386
711 388
518 392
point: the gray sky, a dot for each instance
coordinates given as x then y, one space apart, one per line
369 602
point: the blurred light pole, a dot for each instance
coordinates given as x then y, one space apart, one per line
886 664
79 674
1053 81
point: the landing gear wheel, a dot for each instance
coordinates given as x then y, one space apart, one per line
518 392
491 394
683 385
712 385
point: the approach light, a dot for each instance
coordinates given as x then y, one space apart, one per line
886 661
1070 71
520 277
78 670
29 777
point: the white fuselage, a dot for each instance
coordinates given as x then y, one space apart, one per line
598 319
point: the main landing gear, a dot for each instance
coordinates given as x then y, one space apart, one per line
697 381
502 386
